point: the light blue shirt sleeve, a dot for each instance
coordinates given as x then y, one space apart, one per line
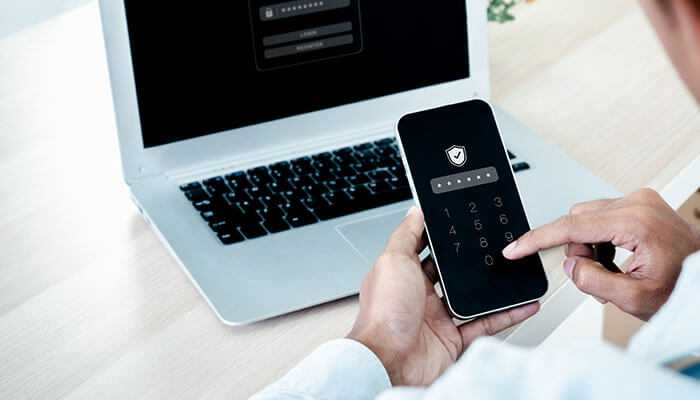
491 370
342 369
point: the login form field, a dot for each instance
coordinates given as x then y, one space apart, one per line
298 32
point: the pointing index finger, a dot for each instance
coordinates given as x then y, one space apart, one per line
597 227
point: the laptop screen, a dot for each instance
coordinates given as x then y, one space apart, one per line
208 67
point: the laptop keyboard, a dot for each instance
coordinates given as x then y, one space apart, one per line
292 194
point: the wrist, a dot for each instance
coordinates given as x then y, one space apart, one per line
696 233
373 341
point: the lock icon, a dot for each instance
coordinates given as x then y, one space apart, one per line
269 13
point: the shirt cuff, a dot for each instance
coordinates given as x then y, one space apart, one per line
340 369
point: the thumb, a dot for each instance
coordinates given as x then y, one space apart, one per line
594 279
408 238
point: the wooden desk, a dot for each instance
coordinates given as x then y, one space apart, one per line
92 305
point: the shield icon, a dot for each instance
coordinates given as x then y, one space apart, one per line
457 155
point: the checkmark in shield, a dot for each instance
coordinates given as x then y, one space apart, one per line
457 155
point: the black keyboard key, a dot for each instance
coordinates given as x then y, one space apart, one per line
345 160
359 192
364 199
217 191
293 206
335 185
252 231
260 176
386 193
401 189
280 165
221 226
302 166
190 186
315 190
365 167
395 162
357 180
379 187
334 205
301 181
323 165
385 152
300 218
385 142
203 205
397 170
196 195
337 198
236 197
216 186
276 225
386 162
282 185
521 166
271 213
281 171
256 192
397 153
363 155
294 195
352 200
243 213
324 175
250 207
312 204
238 180
232 237
273 200
325 156
208 215
301 160
379 175
511 155
345 151
215 181
344 171
363 146
400 182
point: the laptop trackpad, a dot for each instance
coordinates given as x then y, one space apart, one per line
369 236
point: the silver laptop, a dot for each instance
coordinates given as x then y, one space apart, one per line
257 136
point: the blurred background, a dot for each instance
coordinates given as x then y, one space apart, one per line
16 15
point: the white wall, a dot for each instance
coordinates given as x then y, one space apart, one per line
19 14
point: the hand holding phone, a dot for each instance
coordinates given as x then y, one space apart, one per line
462 179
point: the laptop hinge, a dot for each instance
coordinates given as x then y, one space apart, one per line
274 154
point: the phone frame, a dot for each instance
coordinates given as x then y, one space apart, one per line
430 243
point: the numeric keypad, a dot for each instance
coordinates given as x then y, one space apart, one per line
485 223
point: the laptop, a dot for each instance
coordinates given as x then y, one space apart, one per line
257 136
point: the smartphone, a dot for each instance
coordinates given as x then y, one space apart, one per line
461 177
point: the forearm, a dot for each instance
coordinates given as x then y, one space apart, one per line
492 370
340 369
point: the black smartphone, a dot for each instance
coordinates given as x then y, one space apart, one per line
462 179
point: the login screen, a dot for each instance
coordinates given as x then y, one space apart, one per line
297 32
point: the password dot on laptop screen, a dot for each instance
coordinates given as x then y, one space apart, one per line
203 68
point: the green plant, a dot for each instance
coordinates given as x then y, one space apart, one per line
501 10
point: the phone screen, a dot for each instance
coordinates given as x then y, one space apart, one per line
464 183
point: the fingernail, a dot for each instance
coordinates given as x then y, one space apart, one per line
508 251
569 265
411 210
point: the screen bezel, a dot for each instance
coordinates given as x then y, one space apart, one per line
233 146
